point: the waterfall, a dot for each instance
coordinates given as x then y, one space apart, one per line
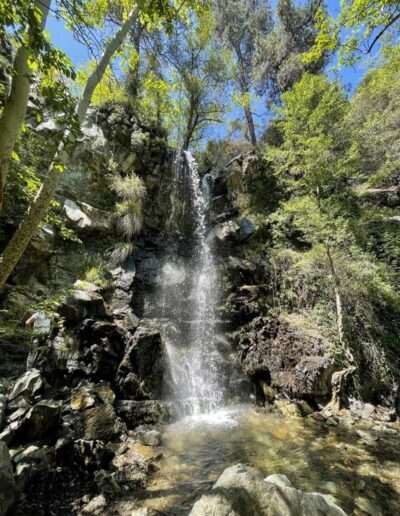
189 291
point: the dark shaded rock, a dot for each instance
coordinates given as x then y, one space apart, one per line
242 306
146 268
103 345
86 218
98 423
107 483
232 212
240 272
29 463
141 371
124 275
136 413
80 305
248 228
7 483
28 385
287 357
14 353
30 424
92 454
340 388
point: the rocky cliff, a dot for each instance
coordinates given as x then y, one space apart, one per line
95 383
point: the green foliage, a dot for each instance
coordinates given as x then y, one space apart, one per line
326 239
313 161
108 89
128 212
278 62
360 26
198 70
93 270
374 119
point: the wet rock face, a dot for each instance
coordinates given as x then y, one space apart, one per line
140 374
242 490
289 359
136 413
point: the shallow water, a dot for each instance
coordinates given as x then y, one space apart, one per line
315 457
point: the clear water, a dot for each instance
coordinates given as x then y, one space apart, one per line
330 460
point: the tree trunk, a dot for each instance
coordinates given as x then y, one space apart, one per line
14 111
36 211
133 81
339 307
250 125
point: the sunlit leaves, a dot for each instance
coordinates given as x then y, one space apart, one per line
108 89
360 26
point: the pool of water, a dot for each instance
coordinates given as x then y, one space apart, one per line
315 457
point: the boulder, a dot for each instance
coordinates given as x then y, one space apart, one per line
82 400
7 483
88 396
248 228
136 413
29 462
92 454
84 217
226 232
133 462
28 385
241 272
97 423
103 345
241 491
82 304
289 357
33 423
96 505
288 409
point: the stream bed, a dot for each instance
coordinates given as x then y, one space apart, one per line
363 478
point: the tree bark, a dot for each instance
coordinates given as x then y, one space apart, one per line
23 235
339 306
14 111
250 125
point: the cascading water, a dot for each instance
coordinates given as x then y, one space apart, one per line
189 292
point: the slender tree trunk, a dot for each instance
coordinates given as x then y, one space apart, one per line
14 111
244 84
339 306
190 127
250 125
133 82
21 238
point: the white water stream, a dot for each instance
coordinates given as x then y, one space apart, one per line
191 355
